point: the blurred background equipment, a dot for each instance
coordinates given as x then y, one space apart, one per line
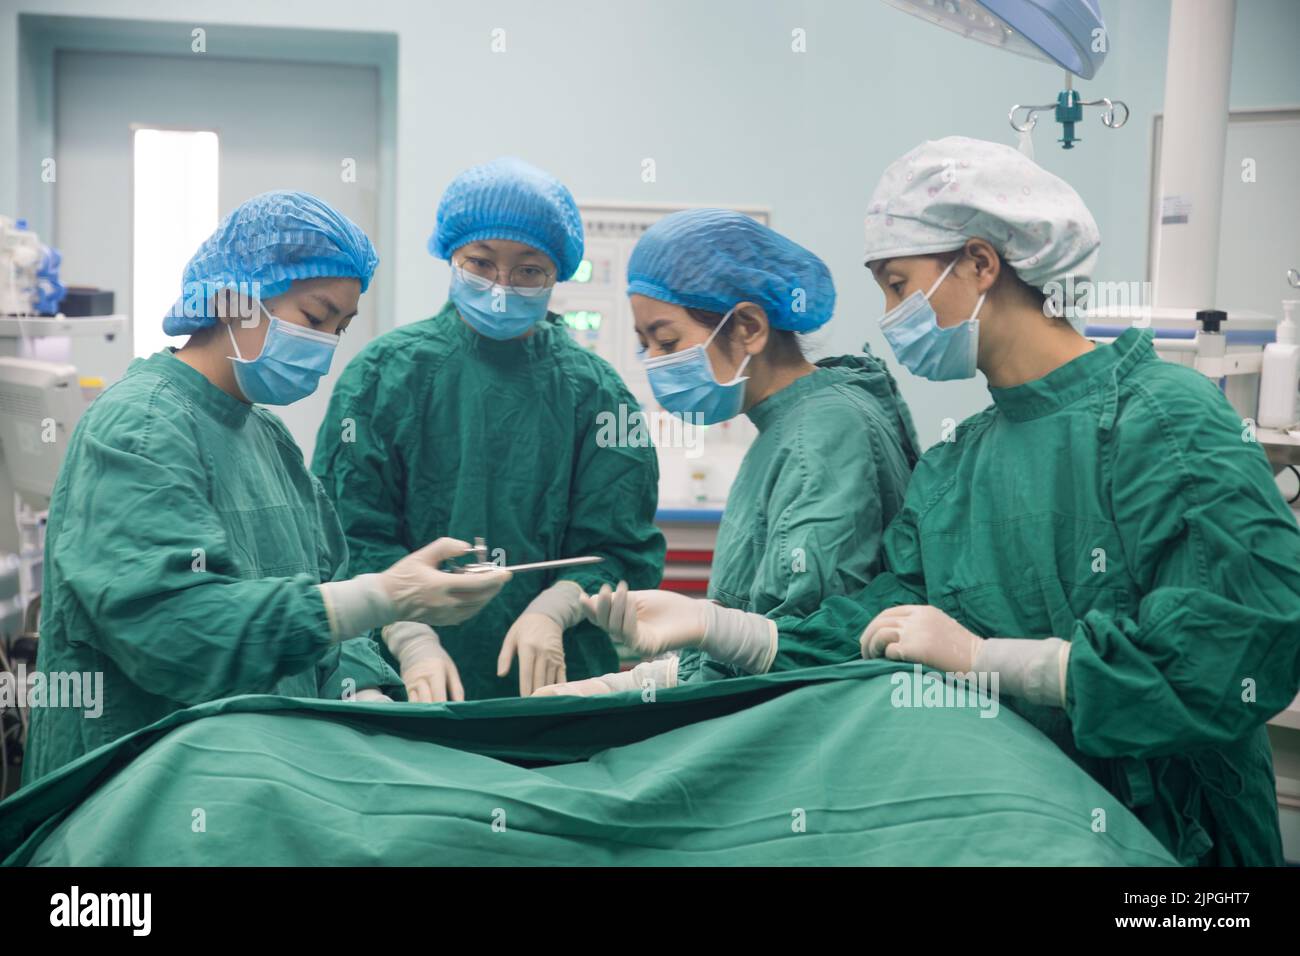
17 646
1279 380
29 271
40 403
81 301
98 348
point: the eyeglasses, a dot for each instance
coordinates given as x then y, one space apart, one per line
525 280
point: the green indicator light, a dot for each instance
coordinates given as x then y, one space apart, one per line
583 321
584 272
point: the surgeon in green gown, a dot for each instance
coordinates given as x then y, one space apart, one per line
485 421
1106 539
190 555
719 301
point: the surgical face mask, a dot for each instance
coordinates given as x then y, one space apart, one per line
684 383
923 346
292 360
495 310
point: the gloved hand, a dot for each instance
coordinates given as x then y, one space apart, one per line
429 673
660 673
421 592
537 636
372 694
539 642
649 622
413 589
590 687
921 634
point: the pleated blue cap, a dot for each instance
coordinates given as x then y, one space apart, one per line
510 199
713 259
270 241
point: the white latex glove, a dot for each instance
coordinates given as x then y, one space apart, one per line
661 673
421 592
429 673
372 694
649 622
537 637
921 634
1036 669
590 687
413 589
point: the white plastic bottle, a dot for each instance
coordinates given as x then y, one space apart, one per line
1279 379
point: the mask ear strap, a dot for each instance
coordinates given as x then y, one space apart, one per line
979 304
231 333
709 341
943 275
714 334
740 371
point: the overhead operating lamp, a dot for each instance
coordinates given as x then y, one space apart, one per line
1069 33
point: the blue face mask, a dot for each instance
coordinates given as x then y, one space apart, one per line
923 346
684 383
494 310
292 360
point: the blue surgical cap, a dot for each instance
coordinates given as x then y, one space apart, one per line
714 258
271 240
509 199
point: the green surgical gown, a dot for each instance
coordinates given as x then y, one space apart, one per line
813 496
185 542
436 430
1121 503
